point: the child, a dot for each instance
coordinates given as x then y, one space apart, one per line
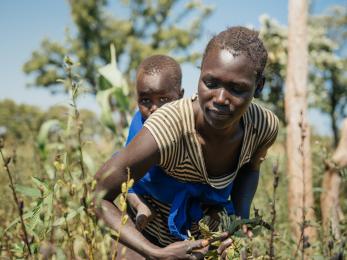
213 144
158 82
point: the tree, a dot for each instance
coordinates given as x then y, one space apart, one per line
329 79
330 197
300 195
19 121
150 28
275 39
327 58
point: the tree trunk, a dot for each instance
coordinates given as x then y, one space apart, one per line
300 195
330 204
333 104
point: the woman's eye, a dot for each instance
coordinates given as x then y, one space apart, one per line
237 90
211 84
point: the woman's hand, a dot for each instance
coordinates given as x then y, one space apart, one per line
223 248
184 250
247 231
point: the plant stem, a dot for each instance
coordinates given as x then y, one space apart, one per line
125 194
273 210
18 203
70 239
303 225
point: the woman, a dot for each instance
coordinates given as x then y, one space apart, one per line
218 139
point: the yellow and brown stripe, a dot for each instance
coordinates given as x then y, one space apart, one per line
173 128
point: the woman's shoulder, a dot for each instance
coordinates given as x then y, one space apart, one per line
178 105
263 120
171 118
175 111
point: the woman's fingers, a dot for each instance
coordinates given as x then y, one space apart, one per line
224 245
244 228
247 231
198 244
196 256
224 236
196 248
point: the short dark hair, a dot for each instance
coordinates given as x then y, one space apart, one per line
158 63
238 40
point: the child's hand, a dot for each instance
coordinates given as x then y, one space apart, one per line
143 216
144 213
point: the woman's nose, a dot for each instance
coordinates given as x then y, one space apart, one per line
222 97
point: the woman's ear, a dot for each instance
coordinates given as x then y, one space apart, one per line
259 87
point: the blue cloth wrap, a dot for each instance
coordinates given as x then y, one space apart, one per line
185 199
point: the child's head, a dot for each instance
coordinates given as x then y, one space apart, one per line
231 75
158 82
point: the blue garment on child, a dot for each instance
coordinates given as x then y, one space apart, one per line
135 126
186 199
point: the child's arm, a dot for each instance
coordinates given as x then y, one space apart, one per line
144 214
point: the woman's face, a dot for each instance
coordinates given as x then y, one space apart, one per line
226 87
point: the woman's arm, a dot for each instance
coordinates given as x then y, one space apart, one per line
246 182
139 156
244 188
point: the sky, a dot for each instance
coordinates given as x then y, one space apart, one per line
24 24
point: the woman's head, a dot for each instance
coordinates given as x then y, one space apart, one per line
241 40
231 74
158 82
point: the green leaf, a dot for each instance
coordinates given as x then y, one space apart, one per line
112 74
89 162
122 100
71 215
103 99
45 130
35 218
41 184
28 191
14 222
318 257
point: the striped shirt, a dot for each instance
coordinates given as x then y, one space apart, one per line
173 128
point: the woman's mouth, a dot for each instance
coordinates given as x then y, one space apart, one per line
219 115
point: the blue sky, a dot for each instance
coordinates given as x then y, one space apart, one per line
23 25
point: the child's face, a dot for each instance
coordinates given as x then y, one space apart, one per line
153 91
226 87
